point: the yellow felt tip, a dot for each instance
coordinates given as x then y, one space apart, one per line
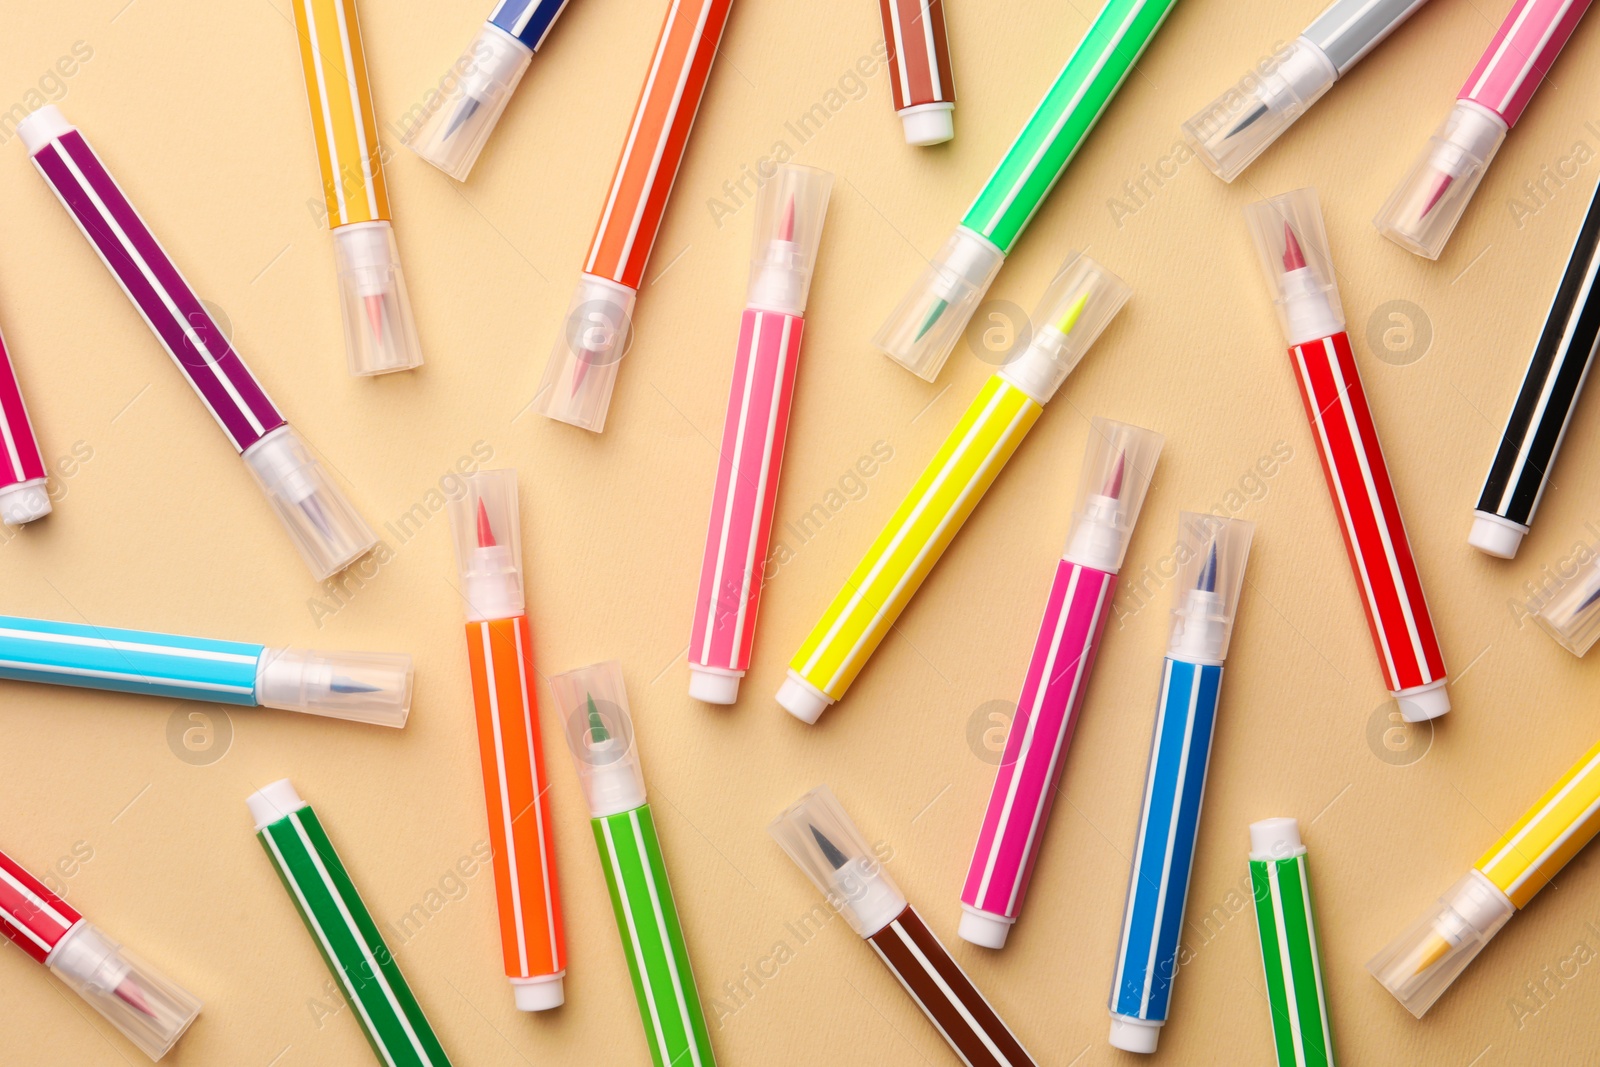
1431 953
1070 319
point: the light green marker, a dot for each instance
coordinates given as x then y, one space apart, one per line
343 929
1300 1029
925 327
599 730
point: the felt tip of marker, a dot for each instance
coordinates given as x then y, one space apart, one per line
1074 313
786 223
131 994
1293 258
938 309
1114 486
1249 120
468 108
485 530
598 734
1438 191
830 851
1208 573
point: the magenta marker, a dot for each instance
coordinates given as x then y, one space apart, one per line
1116 474
1421 213
327 531
22 492
788 228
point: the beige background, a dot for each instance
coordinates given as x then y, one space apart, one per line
198 108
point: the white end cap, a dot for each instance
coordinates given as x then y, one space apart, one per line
42 127
24 502
1134 1035
802 699
1424 702
984 930
928 124
1275 839
539 994
272 802
713 686
1496 536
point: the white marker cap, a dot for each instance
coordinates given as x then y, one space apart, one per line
928 124
1497 536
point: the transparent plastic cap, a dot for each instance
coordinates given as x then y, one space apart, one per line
143 1004
457 129
930 320
488 543
1424 208
1419 965
369 687
1117 468
1571 614
1212 552
1292 244
1231 131
1077 306
578 379
821 838
789 214
599 731
379 334
321 522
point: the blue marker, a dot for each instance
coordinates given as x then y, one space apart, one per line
460 114
1211 558
371 687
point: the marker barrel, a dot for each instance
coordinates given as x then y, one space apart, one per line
578 379
343 929
23 497
920 74
380 334
1301 1033
1543 409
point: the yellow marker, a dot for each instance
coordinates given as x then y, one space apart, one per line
380 335
1078 305
1420 964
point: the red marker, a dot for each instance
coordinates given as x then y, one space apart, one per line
148 1009
1289 235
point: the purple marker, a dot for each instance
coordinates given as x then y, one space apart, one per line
321 522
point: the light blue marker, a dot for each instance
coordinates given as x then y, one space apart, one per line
372 687
1211 558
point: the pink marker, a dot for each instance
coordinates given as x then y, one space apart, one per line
1421 213
1116 474
788 228
22 475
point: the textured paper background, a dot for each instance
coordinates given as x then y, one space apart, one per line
199 110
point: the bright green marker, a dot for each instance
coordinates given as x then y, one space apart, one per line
343 929
925 327
1300 1029
599 730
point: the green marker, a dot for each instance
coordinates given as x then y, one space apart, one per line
599 730
925 327
1300 1029
343 929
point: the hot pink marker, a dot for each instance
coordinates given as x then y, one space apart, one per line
22 475
1116 474
788 228
1421 213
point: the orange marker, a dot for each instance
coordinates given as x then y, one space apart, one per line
500 650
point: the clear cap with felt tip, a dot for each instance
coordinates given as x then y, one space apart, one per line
380 335
1292 244
369 687
1231 131
1118 464
924 329
1212 552
1571 612
582 369
788 230
819 836
455 131
1077 306
1419 965
593 702
323 525
1422 212
488 541
148 1008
